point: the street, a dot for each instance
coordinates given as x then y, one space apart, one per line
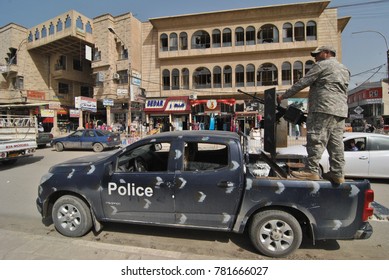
18 214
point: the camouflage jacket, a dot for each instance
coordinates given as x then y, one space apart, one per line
328 81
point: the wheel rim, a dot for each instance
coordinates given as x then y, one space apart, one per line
69 217
98 147
276 235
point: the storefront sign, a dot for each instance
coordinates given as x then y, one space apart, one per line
47 113
211 104
136 78
176 105
155 104
108 102
85 103
74 113
54 105
122 92
31 94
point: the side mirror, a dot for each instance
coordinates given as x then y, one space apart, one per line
108 169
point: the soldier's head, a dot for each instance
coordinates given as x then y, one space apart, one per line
323 52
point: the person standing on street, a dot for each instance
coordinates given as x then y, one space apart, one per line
328 80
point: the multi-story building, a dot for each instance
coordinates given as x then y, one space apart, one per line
188 67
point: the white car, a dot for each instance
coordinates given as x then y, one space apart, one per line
369 161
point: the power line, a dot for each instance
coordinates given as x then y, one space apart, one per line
360 4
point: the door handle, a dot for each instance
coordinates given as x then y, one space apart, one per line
225 184
363 157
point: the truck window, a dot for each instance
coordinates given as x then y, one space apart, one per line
205 156
151 157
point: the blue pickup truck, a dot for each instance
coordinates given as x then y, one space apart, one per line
203 180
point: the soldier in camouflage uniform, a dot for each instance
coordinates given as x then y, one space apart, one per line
327 110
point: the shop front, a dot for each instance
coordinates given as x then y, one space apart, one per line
167 114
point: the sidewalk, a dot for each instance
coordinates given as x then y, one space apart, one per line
23 246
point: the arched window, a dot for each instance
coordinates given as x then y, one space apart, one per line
88 27
268 33
30 37
239 36
286 73
299 31
68 22
311 31
216 38
227 76
173 45
59 25
185 78
175 79
202 78
297 71
287 32
164 42
51 29
250 35
308 65
250 75
239 76
267 75
166 79
183 41
217 77
37 34
44 31
227 40
201 40
79 23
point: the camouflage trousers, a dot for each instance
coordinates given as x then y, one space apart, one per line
325 131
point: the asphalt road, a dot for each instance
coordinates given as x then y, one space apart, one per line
18 214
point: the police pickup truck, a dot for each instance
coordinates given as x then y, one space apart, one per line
202 180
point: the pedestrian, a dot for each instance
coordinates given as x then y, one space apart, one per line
328 80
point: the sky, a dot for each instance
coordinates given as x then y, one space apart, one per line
365 53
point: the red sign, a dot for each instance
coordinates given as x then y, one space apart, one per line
31 94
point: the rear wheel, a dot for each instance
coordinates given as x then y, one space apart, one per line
71 216
59 146
98 147
275 233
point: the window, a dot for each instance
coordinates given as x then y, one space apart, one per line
18 82
217 77
59 25
299 31
227 76
173 42
286 73
63 88
250 75
61 63
201 40
267 75
166 79
227 41
77 64
239 76
308 65
216 38
378 144
79 23
88 28
200 156
123 53
185 78
202 78
268 33
239 36
183 41
311 31
96 55
44 31
175 79
250 35
37 34
151 157
68 22
51 29
287 32
12 57
123 77
164 42
297 71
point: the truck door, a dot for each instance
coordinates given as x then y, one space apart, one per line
141 186
208 188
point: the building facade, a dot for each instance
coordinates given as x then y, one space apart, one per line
180 72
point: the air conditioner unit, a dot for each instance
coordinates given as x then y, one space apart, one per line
116 76
193 96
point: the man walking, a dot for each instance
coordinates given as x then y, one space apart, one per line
327 110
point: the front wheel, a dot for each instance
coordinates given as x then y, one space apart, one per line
71 216
59 147
275 233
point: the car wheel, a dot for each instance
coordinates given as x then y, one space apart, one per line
275 233
97 147
71 216
59 146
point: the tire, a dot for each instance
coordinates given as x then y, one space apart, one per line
98 147
71 216
59 147
275 233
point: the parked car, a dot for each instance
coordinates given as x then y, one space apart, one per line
87 139
369 161
43 138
